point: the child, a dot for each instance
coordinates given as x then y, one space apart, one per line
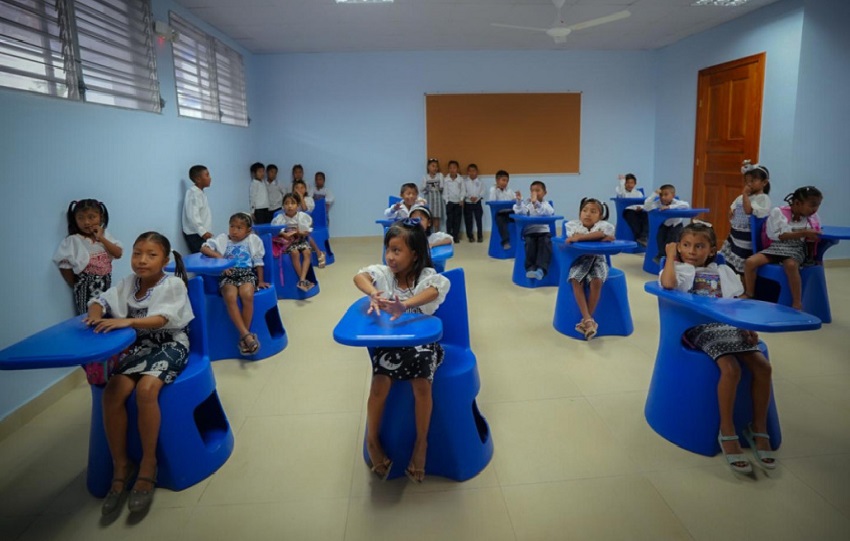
538 244
407 283
409 197
307 204
474 191
793 231
665 198
294 238
85 256
753 200
321 192
297 174
197 219
157 306
589 269
241 245
275 192
259 195
690 268
437 238
432 189
453 193
633 215
500 192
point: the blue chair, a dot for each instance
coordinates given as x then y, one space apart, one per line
518 274
281 274
815 296
622 230
495 249
195 438
392 200
321 234
613 313
459 441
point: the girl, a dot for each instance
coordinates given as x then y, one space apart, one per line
791 235
240 281
407 283
690 268
437 238
753 200
297 174
432 189
85 256
409 198
157 306
294 238
589 269
307 204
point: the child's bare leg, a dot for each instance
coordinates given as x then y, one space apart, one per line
246 294
147 401
593 298
374 412
313 244
305 264
795 283
436 222
296 262
423 404
760 368
115 424
751 268
581 299
730 375
229 293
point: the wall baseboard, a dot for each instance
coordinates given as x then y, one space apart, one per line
837 263
31 409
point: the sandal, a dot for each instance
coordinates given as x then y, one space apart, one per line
580 327
303 285
322 260
249 344
765 459
140 500
414 474
383 468
590 329
112 502
738 462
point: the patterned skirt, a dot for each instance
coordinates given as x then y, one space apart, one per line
783 249
158 354
408 362
87 287
435 202
588 267
718 339
737 248
237 276
298 246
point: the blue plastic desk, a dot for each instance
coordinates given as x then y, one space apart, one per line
495 249
614 314
441 254
357 328
622 231
830 235
262 229
201 264
656 218
385 222
518 276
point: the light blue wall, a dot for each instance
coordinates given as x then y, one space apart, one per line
54 151
361 118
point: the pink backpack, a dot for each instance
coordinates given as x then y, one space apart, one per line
813 221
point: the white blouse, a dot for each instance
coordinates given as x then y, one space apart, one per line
247 253
310 202
432 183
302 221
777 224
325 193
730 283
438 236
575 227
740 219
76 251
384 280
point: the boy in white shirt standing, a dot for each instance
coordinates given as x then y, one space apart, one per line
197 218
453 194
321 192
275 192
258 197
474 191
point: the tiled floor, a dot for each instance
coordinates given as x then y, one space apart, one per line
574 457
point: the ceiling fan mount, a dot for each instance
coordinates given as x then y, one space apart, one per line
560 29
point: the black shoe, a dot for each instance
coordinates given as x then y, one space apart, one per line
480 239
471 239
457 241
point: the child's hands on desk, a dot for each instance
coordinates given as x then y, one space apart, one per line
103 325
394 307
375 302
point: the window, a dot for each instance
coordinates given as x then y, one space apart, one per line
209 75
100 51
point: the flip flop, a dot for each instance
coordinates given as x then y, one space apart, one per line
411 474
386 463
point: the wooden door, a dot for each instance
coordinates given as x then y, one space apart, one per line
729 102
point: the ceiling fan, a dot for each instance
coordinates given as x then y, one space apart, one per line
560 30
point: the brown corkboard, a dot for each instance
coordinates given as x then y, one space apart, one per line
522 133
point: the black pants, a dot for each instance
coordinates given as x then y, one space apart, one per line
454 211
502 218
472 210
666 234
194 242
638 222
538 251
262 216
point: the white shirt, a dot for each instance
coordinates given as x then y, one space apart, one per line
302 221
575 227
453 189
311 204
740 219
473 188
730 283
384 280
621 191
247 253
501 195
275 194
197 218
538 208
403 211
324 193
75 252
777 224
258 197
438 236
432 183
653 202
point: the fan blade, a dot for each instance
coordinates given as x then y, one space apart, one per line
519 27
602 20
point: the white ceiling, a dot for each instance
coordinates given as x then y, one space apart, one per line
286 26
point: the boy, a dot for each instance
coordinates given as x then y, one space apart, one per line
275 193
321 193
665 198
258 197
197 219
453 194
474 190
633 215
500 192
409 197
538 245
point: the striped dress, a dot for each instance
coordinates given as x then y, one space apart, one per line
739 246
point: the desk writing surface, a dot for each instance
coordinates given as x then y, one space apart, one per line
442 252
597 247
262 229
357 328
68 343
201 264
835 232
744 313
680 213
529 220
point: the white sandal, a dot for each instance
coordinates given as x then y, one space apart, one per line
734 459
761 456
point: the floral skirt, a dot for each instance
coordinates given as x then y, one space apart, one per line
718 339
588 267
237 277
408 362
159 355
87 287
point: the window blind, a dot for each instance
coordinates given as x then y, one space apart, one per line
194 71
230 75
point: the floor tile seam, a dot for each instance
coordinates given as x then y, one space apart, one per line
291 414
679 519
828 501
508 512
572 479
30 524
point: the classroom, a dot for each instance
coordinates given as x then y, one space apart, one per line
574 457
